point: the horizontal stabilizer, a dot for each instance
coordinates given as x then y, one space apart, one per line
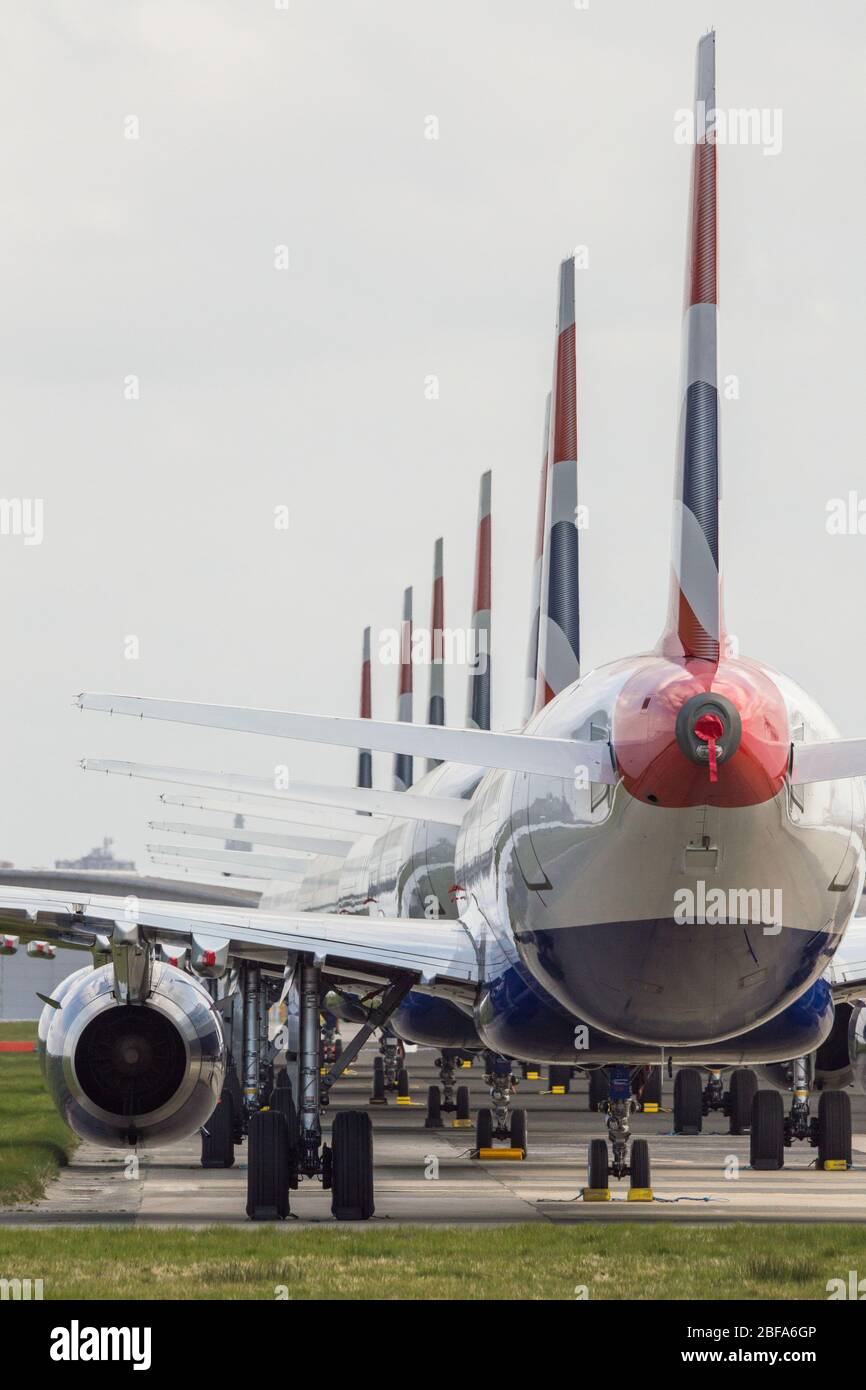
212 875
310 844
829 760
547 757
304 819
444 810
276 866
126 884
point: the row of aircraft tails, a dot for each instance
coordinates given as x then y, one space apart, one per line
662 865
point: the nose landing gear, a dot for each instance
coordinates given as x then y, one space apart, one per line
500 1121
619 1162
452 1099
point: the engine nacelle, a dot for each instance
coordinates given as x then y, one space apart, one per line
840 1061
147 1074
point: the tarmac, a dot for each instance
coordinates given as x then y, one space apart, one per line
427 1177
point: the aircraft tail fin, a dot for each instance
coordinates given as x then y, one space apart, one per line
559 614
403 775
436 702
478 702
365 757
694 625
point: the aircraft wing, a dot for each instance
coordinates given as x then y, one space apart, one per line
440 955
847 973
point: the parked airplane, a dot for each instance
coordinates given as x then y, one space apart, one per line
607 862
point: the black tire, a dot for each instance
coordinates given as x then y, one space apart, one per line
834 1128
559 1076
283 1102
378 1092
599 1088
518 1131
282 1080
744 1084
461 1100
268 1167
484 1129
218 1135
598 1166
232 1085
352 1166
402 1082
433 1118
767 1139
528 1067
639 1164
652 1089
338 1049
688 1101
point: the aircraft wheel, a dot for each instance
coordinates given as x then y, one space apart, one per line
767 1139
688 1101
461 1100
232 1085
283 1102
268 1167
598 1164
518 1131
218 1135
484 1129
744 1084
282 1080
378 1092
652 1091
352 1166
599 1088
433 1119
559 1076
639 1164
402 1082
834 1128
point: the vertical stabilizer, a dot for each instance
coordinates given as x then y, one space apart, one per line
436 704
365 757
535 602
403 761
559 617
478 703
694 626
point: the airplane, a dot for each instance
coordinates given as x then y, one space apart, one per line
685 772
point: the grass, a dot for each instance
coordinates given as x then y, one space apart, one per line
535 1262
34 1140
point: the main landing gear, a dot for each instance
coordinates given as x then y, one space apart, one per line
693 1100
499 1121
618 1161
773 1131
390 1072
451 1099
286 1143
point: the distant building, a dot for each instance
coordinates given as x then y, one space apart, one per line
238 844
21 977
100 857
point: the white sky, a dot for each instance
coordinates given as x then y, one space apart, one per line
306 387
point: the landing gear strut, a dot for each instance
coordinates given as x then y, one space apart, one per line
285 1142
452 1099
618 1161
500 1121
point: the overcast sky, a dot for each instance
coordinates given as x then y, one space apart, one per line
408 257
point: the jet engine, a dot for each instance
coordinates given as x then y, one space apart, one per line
840 1061
146 1073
